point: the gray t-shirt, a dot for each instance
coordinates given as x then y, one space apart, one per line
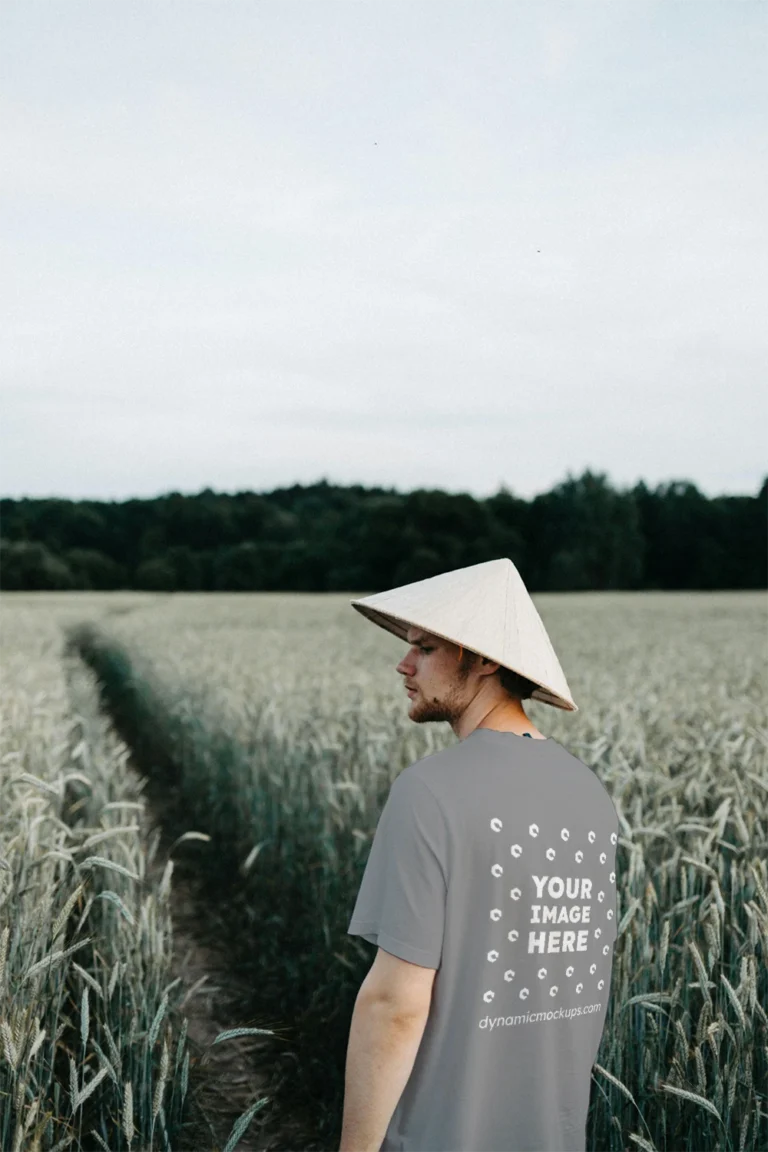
493 861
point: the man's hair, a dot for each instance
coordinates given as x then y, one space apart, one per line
515 685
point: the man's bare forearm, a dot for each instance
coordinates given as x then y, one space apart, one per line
380 1057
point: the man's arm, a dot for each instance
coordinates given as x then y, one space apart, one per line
382 1048
388 1022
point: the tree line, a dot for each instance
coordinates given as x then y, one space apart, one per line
581 535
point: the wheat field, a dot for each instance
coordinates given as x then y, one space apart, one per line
277 723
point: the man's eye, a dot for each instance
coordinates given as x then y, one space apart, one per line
424 648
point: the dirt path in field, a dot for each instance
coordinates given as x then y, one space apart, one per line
222 1080
225 1080
224 1084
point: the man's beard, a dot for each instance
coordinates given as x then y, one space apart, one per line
433 710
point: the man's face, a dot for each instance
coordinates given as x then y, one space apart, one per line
431 666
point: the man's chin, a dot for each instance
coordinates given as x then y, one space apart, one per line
425 716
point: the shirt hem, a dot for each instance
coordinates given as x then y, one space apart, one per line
399 948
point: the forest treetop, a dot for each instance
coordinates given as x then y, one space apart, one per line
581 535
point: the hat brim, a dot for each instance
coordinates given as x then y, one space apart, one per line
399 626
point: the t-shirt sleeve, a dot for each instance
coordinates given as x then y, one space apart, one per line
401 901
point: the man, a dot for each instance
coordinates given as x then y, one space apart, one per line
489 890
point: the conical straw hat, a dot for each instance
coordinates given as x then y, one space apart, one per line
486 608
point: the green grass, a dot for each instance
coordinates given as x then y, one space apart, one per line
277 724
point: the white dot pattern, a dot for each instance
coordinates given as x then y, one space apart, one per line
575 891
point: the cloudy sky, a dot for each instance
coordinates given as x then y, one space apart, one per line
252 243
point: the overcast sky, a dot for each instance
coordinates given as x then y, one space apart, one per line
250 244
